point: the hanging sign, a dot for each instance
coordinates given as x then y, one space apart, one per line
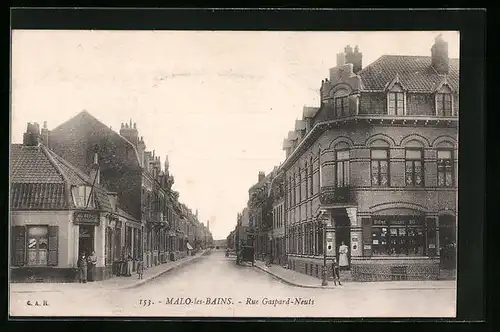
86 217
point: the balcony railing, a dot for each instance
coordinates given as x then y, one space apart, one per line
335 195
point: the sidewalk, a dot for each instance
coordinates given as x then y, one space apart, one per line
301 280
114 283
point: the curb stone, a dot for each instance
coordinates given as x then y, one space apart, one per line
275 276
291 283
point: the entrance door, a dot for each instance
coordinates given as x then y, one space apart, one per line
86 239
342 235
447 242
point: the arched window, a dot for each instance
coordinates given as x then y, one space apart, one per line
342 165
445 169
380 163
311 175
414 164
306 178
341 103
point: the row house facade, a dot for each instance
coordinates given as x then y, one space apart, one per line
260 214
276 196
375 167
58 212
144 189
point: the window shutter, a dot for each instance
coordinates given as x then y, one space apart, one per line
430 225
367 236
53 245
18 245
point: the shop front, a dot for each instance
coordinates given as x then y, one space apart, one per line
398 244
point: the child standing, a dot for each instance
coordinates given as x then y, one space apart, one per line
336 273
140 269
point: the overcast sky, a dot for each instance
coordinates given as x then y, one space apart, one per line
217 103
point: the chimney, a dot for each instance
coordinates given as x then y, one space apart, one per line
262 175
439 54
45 134
141 147
95 172
340 59
113 199
356 58
130 133
32 135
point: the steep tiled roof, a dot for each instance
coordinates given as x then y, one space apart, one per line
415 73
38 196
39 178
29 164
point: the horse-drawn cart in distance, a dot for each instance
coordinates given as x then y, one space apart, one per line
246 254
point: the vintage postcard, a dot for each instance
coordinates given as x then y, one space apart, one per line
234 173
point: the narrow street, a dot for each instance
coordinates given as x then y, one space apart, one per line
214 285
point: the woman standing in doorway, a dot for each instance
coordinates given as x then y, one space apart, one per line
343 260
92 261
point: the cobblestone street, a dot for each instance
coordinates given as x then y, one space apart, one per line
214 285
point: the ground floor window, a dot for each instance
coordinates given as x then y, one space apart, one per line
399 236
38 238
35 245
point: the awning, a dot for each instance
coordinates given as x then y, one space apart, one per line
189 246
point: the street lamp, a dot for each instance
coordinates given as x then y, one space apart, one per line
324 281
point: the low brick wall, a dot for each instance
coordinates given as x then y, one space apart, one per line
311 266
389 268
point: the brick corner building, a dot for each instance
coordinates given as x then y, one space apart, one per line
375 167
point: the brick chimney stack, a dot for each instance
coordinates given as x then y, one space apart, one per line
439 53
45 134
262 176
356 58
32 135
340 59
130 132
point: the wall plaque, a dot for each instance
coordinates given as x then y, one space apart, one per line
86 217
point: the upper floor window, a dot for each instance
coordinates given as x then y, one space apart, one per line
83 196
380 167
445 168
395 103
306 178
443 104
342 163
311 175
300 186
341 106
414 171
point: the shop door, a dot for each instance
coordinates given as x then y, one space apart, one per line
342 235
447 242
86 239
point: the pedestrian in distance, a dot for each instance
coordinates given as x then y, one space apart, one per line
343 260
82 267
140 269
91 263
336 272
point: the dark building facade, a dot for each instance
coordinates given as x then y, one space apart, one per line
59 212
375 167
143 187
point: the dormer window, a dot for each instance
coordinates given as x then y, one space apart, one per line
83 196
341 106
395 103
396 97
443 104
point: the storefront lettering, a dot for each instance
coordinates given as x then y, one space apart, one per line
84 217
